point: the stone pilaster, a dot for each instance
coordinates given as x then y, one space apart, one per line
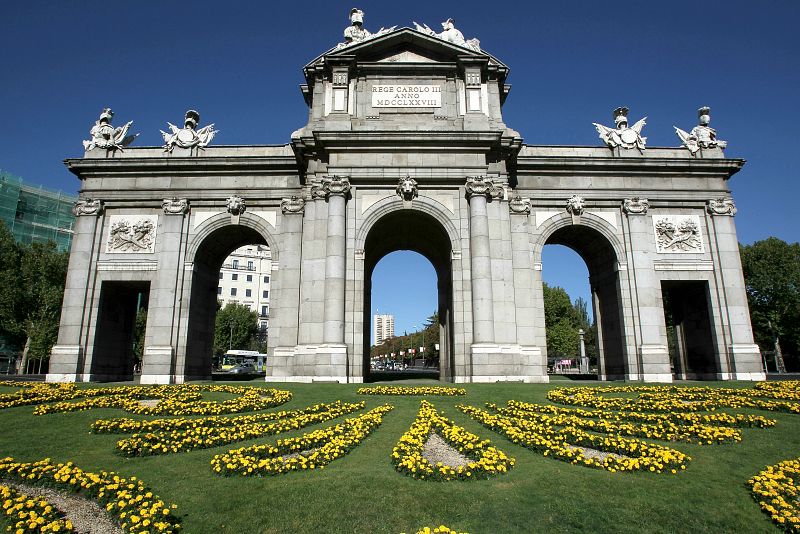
281 362
651 361
158 360
532 360
743 355
322 355
66 357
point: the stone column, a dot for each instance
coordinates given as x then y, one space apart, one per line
743 354
324 357
479 190
162 311
281 359
336 190
653 355
66 357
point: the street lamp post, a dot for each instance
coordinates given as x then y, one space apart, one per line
584 359
230 341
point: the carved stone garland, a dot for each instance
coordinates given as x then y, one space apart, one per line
721 206
635 206
88 206
293 205
175 206
519 206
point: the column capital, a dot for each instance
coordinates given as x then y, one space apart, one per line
331 186
483 186
635 206
519 206
293 205
175 206
721 206
88 206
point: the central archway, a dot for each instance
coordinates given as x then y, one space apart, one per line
419 232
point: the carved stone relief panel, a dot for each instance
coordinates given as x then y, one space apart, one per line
132 234
679 234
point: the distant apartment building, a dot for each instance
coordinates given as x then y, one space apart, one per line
35 214
382 327
244 278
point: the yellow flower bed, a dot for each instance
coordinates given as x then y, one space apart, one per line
441 529
784 397
569 444
125 425
690 428
173 400
30 514
412 390
408 458
189 435
128 500
313 450
777 493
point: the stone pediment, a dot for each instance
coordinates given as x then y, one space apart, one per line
404 45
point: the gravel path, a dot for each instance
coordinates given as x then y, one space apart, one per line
437 450
600 455
87 516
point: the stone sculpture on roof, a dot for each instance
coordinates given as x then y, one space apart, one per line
106 136
702 135
623 135
451 34
356 32
188 137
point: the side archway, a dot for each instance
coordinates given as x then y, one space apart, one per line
213 241
596 242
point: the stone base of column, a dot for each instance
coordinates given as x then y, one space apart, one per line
326 362
756 377
655 364
64 363
157 364
61 377
497 362
156 379
747 362
657 377
280 364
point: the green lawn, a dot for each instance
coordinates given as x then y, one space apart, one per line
363 493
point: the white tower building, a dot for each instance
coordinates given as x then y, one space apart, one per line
382 327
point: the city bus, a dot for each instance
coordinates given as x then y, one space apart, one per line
232 358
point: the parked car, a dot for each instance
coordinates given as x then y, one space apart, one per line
243 369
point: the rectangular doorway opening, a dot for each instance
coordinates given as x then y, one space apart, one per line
114 354
690 331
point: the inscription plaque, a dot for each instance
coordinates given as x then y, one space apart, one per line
406 96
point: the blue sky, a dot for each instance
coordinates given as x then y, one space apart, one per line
239 64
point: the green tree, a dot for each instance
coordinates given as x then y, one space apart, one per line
236 327
561 321
10 289
43 272
772 279
139 330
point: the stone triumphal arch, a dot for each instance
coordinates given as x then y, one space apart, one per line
406 147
